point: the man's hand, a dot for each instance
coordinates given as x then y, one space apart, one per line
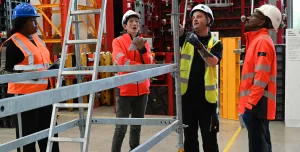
242 123
181 30
193 39
140 43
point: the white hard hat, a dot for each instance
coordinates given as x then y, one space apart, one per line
273 13
128 14
204 8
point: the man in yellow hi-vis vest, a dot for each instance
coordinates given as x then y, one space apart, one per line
200 55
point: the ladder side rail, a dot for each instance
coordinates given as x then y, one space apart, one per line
79 77
95 73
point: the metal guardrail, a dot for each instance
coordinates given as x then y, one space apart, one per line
13 105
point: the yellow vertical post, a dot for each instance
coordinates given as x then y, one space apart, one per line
229 78
223 80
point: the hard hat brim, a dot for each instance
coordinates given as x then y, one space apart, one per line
22 16
133 15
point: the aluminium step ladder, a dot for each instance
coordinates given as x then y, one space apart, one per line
84 123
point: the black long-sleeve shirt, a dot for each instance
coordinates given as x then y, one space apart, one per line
196 84
13 56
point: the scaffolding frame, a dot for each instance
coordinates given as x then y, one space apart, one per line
14 105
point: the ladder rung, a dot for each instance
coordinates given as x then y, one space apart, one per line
87 41
62 139
82 12
86 72
77 21
72 105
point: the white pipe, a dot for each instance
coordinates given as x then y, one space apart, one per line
184 16
252 5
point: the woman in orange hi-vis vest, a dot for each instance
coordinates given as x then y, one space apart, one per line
257 101
24 51
131 98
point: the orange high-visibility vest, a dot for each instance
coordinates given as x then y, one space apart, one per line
258 80
123 56
36 58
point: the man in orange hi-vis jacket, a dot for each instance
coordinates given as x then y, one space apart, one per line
257 101
132 98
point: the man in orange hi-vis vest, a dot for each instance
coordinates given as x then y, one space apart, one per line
257 97
24 51
132 98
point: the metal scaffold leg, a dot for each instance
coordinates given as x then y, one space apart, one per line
175 22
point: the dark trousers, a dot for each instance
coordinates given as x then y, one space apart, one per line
34 121
125 105
200 115
258 134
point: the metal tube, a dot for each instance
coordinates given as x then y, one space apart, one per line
157 138
64 47
20 128
14 144
53 73
175 22
95 74
13 105
10 15
51 129
79 77
290 13
184 16
133 121
252 6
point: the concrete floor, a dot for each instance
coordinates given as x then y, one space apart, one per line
283 139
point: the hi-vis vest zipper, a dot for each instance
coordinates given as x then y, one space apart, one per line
210 77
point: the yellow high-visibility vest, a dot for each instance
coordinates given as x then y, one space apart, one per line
210 77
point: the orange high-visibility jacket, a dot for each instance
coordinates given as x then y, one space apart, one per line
258 80
123 56
36 58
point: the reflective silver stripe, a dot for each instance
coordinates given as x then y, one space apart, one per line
260 83
244 93
211 87
252 75
29 67
46 65
262 67
41 41
127 62
3 58
184 80
118 57
151 59
115 63
185 56
30 55
39 81
273 79
247 76
266 94
269 95
265 37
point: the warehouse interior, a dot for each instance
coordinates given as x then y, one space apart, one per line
156 27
